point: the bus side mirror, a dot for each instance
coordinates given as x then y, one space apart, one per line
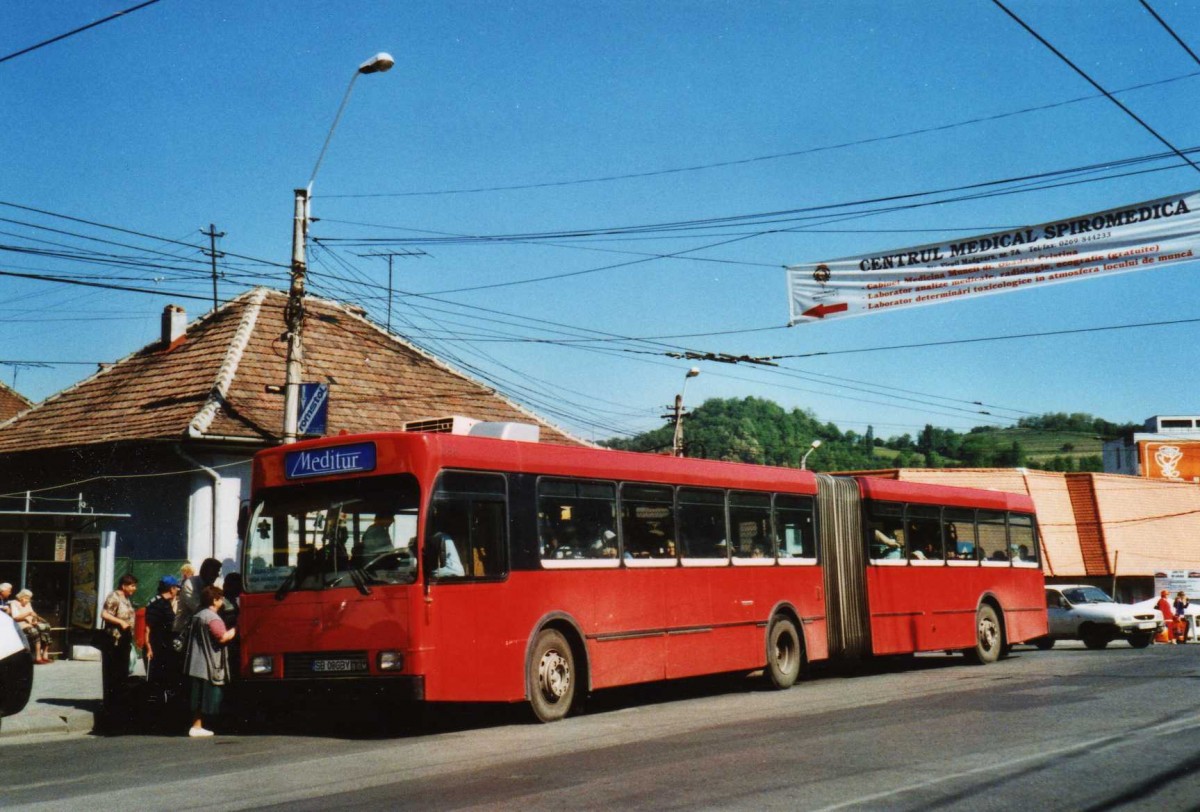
431 555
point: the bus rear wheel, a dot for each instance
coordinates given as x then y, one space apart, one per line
989 637
784 654
551 676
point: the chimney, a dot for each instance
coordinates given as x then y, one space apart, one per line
174 324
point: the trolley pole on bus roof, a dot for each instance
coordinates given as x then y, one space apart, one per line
677 443
293 314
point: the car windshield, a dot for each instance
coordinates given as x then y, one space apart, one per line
1087 594
355 533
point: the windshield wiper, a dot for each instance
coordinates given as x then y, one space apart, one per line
360 581
286 586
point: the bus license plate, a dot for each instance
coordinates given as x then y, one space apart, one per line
327 666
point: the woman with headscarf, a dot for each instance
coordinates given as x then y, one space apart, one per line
207 663
36 629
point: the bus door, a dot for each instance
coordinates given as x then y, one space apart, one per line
844 561
465 564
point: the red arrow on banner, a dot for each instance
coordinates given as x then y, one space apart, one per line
823 310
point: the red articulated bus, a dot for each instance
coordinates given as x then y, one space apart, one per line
445 567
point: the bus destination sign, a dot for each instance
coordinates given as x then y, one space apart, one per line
343 459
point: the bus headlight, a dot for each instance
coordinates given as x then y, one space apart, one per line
391 661
262 664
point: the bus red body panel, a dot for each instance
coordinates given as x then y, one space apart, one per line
318 607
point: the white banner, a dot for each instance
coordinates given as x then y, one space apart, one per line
1133 238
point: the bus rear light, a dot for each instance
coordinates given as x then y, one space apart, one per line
262 664
391 661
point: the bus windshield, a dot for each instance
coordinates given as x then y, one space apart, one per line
353 533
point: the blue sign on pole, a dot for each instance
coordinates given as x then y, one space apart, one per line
314 409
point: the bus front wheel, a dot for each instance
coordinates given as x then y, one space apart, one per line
552 676
784 654
989 637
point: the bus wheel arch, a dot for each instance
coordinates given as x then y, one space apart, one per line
785 649
556 671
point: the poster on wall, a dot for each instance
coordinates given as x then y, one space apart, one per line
1136 237
1176 460
83 587
1175 581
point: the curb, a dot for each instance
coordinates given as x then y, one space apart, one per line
30 724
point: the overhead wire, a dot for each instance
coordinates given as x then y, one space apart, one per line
1095 84
73 32
770 157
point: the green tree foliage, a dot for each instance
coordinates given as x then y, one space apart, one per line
760 431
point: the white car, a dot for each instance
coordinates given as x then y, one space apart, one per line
16 667
1087 613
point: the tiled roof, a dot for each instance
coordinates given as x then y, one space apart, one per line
212 383
12 403
1149 524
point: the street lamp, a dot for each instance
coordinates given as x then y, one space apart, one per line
677 443
294 313
804 460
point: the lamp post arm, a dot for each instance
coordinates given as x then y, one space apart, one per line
329 135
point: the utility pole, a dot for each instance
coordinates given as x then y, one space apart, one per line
293 317
212 235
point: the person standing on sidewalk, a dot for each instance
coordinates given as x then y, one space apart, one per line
163 668
118 616
1168 613
207 663
190 601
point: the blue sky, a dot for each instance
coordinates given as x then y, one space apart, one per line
183 114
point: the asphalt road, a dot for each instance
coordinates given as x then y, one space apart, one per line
1066 729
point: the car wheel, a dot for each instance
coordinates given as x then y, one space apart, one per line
1044 643
1141 640
1094 638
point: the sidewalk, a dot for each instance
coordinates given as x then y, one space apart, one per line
66 696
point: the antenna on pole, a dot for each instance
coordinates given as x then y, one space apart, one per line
389 255
212 235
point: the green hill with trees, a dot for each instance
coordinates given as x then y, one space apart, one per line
761 431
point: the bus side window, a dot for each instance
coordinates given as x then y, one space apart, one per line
993 539
885 530
924 532
958 527
702 532
648 521
576 519
794 531
466 534
1021 538
750 521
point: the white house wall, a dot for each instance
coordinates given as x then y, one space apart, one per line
233 487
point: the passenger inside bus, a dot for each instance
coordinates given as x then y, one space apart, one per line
886 547
377 540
